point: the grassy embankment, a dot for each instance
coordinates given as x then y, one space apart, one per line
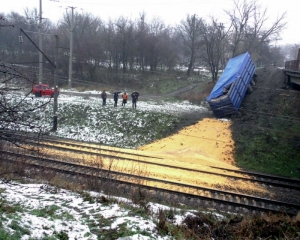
256 149
268 138
265 141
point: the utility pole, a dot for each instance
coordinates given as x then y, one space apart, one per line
71 48
40 46
55 74
55 86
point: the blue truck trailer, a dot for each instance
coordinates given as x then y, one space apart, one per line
229 91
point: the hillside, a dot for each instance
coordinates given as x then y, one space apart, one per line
267 131
263 136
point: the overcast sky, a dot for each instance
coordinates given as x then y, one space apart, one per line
170 11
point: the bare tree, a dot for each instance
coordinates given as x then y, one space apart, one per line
294 51
16 51
125 39
155 45
215 39
89 47
109 44
3 23
154 42
9 42
190 34
19 117
17 113
168 49
250 28
6 37
239 17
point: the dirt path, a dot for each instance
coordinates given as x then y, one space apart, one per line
142 96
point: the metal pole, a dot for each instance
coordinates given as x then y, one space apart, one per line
71 49
55 86
40 46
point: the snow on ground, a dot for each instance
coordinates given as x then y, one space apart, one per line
117 126
84 118
46 211
178 107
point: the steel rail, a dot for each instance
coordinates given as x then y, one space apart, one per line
288 183
278 178
285 182
71 142
278 206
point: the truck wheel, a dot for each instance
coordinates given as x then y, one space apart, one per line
38 94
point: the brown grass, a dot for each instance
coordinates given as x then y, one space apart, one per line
198 95
208 226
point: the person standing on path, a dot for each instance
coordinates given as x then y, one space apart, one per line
116 97
124 97
104 96
134 96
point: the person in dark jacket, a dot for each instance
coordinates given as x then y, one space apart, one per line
116 97
134 96
103 96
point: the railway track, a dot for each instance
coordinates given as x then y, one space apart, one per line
287 190
159 188
132 155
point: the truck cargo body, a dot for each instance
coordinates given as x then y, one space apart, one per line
292 70
292 65
229 91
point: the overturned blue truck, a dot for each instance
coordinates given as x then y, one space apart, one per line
229 91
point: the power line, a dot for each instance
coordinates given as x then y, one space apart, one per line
202 82
46 34
229 113
277 89
127 3
248 125
37 48
243 108
294 119
267 115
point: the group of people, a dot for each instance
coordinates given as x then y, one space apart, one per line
134 97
